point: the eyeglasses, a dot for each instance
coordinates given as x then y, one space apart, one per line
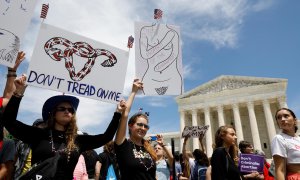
146 126
62 109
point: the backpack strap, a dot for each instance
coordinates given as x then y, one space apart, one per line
1 145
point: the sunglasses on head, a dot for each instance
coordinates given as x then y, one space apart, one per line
146 126
62 109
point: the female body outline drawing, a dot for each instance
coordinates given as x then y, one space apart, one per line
159 45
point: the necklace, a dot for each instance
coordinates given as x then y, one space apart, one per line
142 154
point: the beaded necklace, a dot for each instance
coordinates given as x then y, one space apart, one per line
60 149
141 154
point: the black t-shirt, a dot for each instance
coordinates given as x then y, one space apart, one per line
135 162
106 159
223 166
90 158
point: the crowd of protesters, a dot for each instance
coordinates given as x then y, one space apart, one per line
132 157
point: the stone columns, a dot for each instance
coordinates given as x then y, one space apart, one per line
194 123
237 123
182 125
253 126
208 136
269 120
282 102
221 115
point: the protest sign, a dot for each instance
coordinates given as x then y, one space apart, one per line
251 162
194 131
158 58
15 17
73 64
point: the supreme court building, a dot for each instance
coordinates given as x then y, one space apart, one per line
247 103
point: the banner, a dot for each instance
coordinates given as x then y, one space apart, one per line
69 63
15 17
158 58
194 131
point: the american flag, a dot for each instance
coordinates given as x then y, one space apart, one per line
158 14
130 42
44 11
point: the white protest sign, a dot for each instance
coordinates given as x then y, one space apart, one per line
15 17
194 131
158 58
66 62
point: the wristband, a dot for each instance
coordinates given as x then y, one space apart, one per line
11 75
11 70
18 95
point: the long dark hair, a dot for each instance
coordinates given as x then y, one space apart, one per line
201 157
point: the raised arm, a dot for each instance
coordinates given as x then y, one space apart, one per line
88 142
168 152
11 76
18 129
184 147
121 132
201 143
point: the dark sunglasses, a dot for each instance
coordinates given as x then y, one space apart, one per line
142 124
62 109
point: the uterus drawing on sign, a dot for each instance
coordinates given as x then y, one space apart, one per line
60 48
159 46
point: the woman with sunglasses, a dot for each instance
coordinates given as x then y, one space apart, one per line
135 156
60 135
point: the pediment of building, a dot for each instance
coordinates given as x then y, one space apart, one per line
226 82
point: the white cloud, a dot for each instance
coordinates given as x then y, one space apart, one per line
111 22
187 71
262 5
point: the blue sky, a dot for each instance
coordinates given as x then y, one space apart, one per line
231 37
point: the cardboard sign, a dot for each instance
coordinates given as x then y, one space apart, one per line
158 58
73 64
194 131
251 162
15 17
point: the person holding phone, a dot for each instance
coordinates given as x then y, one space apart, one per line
164 162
